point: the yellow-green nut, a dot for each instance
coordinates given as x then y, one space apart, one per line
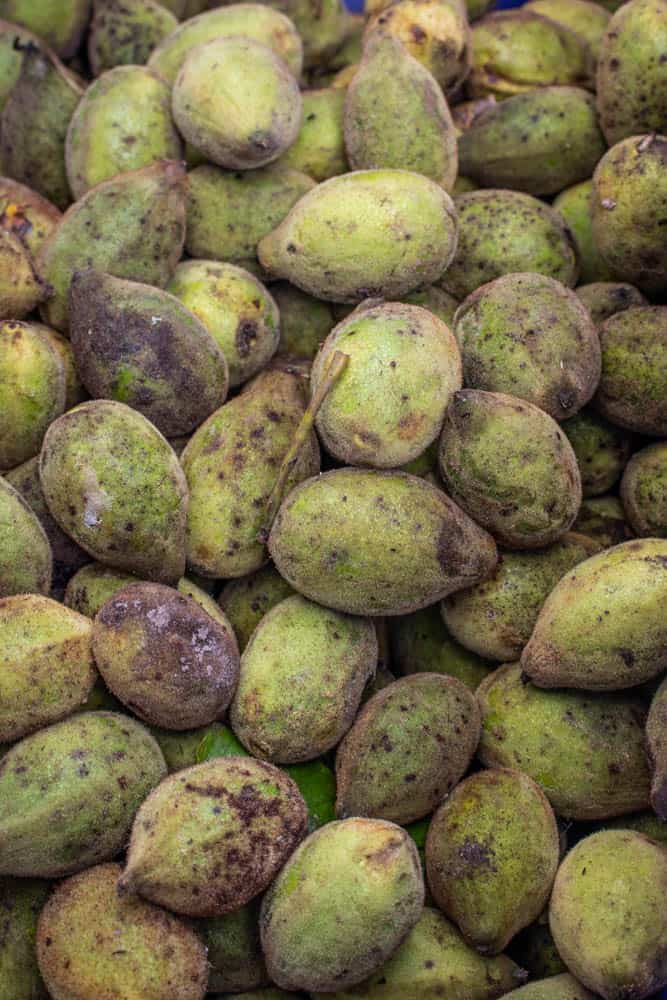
558 987
586 751
234 950
21 288
70 793
61 23
236 101
646 822
434 958
134 947
602 451
114 485
20 903
132 226
321 24
495 619
247 599
267 994
74 390
236 309
164 657
602 627
588 20
629 200
231 463
656 742
575 205
529 336
510 467
436 300
32 390
26 561
435 32
228 214
13 40
368 233
212 837
252 20
123 122
141 346
420 643
319 149
92 585
47 663
375 897
321 544
125 32
606 298
631 73
501 232
324 655
563 144
408 748
608 917
491 856
389 403
631 393
644 491
26 214
391 88
603 519
305 322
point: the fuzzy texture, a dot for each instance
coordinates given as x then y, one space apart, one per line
575 204
26 214
436 300
606 298
319 149
234 950
322 26
125 32
305 322
585 751
377 543
375 897
586 19
26 561
21 288
644 491
20 903
558 987
93 585
247 599
114 485
656 742
420 643
70 792
602 451
408 748
603 519
13 41
61 23
212 837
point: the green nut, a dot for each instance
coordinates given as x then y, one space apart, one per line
319 149
602 451
375 896
26 561
420 643
322 25
20 903
92 585
602 627
501 232
529 335
510 467
644 491
390 88
606 298
114 485
495 619
247 599
629 200
603 519
408 748
588 20
141 346
234 820
25 214
320 542
575 204
656 742
304 321
491 856
607 914
21 288
563 143
558 987
70 793
586 751
61 23
125 32
534 949
436 300
643 822
324 655
234 950
181 749
13 41
137 948
236 309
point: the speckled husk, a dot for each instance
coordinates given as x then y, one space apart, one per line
575 205
586 751
367 233
586 19
644 491
325 656
375 897
558 987
607 914
141 346
21 288
436 300
330 542
135 947
646 822
61 23
319 149
602 451
305 322
20 903
228 214
70 793
47 668
629 200
389 89
420 643
114 485
495 619
563 143
510 467
125 32
631 393
491 856
322 25
24 213
132 226
94 584
212 837
234 950
253 20
603 519
501 232
231 464
529 336
631 73
164 657
26 562
606 298
13 40
656 742
247 599
408 748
